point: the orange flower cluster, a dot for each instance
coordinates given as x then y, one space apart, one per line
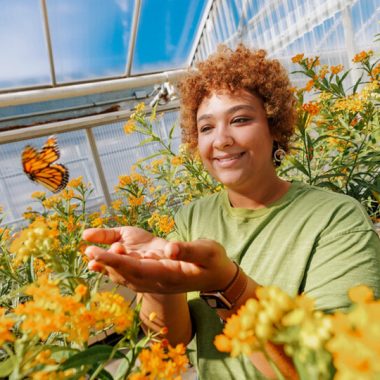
161 362
50 312
297 58
6 324
362 56
336 69
312 108
355 346
136 201
162 223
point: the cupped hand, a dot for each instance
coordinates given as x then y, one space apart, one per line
148 264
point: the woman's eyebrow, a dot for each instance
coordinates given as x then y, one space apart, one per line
233 109
203 117
239 107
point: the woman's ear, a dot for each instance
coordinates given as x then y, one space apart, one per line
278 153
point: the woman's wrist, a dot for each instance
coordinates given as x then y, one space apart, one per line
249 292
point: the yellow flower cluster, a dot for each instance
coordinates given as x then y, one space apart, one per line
38 195
129 127
36 240
263 319
161 362
75 182
116 205
352 103
355 346
111 310
177 160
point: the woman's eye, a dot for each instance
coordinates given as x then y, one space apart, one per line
240 119
204 128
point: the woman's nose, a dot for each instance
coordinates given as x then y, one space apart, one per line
223 137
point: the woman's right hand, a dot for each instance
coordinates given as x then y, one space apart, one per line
130 238
132 241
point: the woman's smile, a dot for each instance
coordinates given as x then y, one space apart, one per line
228 160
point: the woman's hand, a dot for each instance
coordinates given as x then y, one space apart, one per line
148 264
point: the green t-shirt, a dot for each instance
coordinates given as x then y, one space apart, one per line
311 240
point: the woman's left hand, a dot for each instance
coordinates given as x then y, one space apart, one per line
200 265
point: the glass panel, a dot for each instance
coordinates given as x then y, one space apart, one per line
23 57
119 151
90 38
165 34
16 188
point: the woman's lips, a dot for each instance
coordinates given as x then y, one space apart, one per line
228 160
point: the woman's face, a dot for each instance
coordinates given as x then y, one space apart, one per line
234 140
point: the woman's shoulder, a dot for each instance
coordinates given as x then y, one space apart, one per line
325 195
323 202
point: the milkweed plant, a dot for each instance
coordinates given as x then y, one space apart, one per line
54 312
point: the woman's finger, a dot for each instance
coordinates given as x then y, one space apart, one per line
96 266
118 248
102 235
92 250
200 252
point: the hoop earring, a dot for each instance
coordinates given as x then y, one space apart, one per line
278 155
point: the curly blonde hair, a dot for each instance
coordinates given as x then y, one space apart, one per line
244 69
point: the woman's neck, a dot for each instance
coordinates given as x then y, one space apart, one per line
259 196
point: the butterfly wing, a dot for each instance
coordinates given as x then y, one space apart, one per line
33 161
54 177
39 167
50 151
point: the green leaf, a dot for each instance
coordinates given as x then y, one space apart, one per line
343 77
172 131
298 165
102 375
122 369
148 157
95 354
147 141
356 85
7 366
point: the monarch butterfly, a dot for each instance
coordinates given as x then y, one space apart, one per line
39 167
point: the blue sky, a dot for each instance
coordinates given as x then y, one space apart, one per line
90 38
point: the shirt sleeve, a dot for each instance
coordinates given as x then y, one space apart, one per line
340 262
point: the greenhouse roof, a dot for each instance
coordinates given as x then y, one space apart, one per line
52 43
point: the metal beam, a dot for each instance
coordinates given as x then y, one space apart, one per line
200 30
74 124
132 41
41 95
48 42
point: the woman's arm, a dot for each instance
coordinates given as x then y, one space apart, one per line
172 312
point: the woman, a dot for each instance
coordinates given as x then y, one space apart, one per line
238 111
